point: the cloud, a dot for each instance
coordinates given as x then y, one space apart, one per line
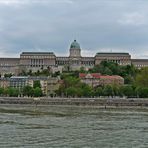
134 18
51 25
12 2
22 2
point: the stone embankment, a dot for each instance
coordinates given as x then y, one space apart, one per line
75 101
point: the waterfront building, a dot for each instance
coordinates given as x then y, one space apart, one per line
18 82
53 85
48 84
35 61
96 79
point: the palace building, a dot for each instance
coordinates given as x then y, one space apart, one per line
43 60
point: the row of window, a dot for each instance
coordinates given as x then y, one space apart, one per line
74 62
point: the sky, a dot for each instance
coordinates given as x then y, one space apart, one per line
51 26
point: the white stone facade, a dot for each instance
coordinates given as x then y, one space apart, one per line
48 60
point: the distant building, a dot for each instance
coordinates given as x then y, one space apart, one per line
120 58
48 60
48 84
18 82
96 79
53 84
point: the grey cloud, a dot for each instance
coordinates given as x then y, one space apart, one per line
52 25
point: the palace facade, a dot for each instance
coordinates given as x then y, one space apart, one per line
43 60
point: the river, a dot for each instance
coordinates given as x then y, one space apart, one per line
72 127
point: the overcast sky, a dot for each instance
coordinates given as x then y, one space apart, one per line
51 25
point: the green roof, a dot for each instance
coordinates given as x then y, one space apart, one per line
75 45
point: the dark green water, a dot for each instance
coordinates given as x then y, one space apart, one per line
72 127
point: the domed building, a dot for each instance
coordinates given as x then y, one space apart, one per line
75 50
48 60
75 61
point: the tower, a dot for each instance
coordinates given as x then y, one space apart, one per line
75 50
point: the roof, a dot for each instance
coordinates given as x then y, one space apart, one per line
139 60
98 76
45 53
110 77
92 75
112 53
74 45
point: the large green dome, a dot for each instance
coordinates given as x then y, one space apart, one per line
75 45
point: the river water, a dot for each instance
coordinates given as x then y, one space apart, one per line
72 127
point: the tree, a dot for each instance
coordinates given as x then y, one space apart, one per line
12 92
127 91
23 73
99 91
37 92
1 91
116 90
61 90
142 78
71 91
108 90
36 84
71 81
87 90
128 79
45 72
30 72
57 73
79 92
28 91
142 92
82 70
107 71
8 75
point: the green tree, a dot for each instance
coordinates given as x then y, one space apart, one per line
36 84
28 91
116 90
1 91
108 90
12 92
8 75
87 91
82 70
57 73
46 72
79 92
71 81
142 77
61 90
30 73
107 71
127 91
37 92
99 91
128 79
23 73
142 92
71 91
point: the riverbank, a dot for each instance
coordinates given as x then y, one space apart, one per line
112 102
